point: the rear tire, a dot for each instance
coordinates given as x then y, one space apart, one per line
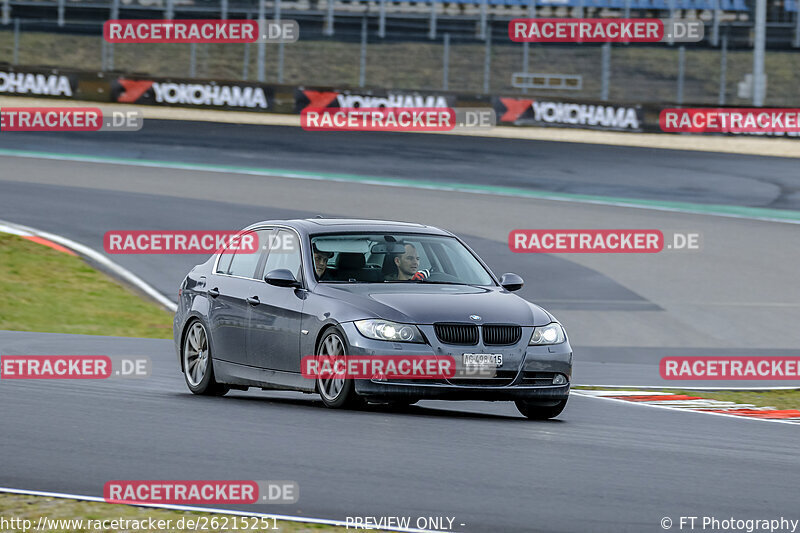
537 411
336 393
198 367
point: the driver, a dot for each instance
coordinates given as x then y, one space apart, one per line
407 265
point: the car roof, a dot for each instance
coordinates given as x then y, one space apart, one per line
316 226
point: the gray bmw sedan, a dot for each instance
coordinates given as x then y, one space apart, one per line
338 289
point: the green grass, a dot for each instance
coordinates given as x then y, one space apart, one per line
779 399
50 291
638 74
34 507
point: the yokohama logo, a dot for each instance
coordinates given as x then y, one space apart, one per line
24 83
192 93
132 90
567 113
217 95
323 99
586 115
392 100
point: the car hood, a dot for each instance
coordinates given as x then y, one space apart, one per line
426 304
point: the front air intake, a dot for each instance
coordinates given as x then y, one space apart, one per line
501 335
461 334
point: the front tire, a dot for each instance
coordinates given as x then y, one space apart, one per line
336 393
198 367
538 411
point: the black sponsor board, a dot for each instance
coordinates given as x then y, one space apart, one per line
193 93
332 97
537 111
39 82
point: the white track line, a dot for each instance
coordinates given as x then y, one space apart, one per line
629 387
676 409
119 271
406 183
172 507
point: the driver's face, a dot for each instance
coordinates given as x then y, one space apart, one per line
408 263
320 263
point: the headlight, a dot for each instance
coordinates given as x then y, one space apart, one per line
383 330
552 333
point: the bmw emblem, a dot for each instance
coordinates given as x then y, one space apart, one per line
474 317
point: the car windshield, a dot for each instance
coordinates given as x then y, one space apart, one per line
395 258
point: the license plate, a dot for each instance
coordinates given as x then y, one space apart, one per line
483 359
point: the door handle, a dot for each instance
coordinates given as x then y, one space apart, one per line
213 292
253 300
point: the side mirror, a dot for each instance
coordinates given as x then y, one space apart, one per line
511 282
281 278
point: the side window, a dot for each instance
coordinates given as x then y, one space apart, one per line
284 253
243 263
224 263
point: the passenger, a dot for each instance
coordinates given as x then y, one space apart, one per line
321 263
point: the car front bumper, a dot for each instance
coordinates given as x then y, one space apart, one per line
528 370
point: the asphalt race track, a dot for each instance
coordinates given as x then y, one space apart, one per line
602 466
641 173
